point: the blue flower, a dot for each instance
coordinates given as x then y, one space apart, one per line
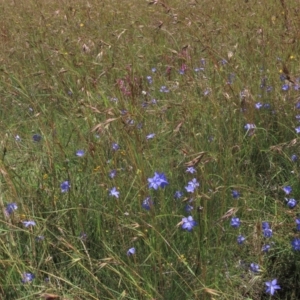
235 194
114 192
159 180
164 89
115 146
178 194
265 225
265 248
258 105
191 170
150 136
153 70
296 244
254 268
149 79
267 232
112 174
249 126
188 208
192 185
291 203
10 208
80 153
17 138
297 129
147 203
235 222
287 189
241 239
298 224
65 186
131 251
27 277
188 223
36 138
285 87
272 286
294 157
28 223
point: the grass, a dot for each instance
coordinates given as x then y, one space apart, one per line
75 74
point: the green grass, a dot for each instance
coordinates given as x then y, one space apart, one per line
75 72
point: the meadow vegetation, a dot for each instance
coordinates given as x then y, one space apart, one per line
149 149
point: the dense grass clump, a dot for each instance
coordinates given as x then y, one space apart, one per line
149 149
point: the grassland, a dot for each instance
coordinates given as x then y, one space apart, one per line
158 96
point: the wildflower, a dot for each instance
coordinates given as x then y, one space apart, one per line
17 138
265 248
294 157
272 286
206 92
10 208
112 174
249 126
297 105
114 192
80 153
287 189
192 185
223 62
36 138
285 87
240 239
235 194
267 233
115 146
150 136
297 129
191 170
203 61
265 225
254 267
291 203
269 89
28 223
131 251
198 69
153 70
178 194
298 224
147 203
188 208
296 244
188 223
258 105
149 79
39 238
65 186
164 89
27 277
235 222
158 180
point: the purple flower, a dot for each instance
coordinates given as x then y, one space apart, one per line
249 126
192 185
267 233
285 87
17 138
272 286
153 70
298 224
65 186
297 129
27 277
287 189
37 138
39 238
115 146
80 153
150 136
188 223
188 208
149 79
291 203
265 225
294 157
10 208
296 244
28 223
147 203
164 89
235 194
131 251
112 174
191 170
258 105
297 105
241 239
114 192
158 180
254 268
178 194
235 222
265 248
